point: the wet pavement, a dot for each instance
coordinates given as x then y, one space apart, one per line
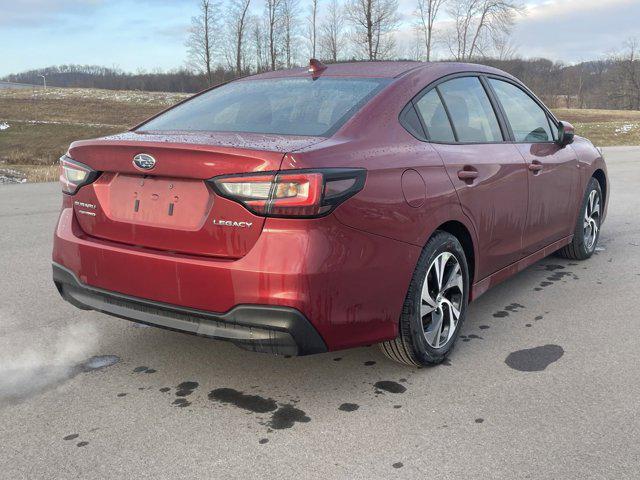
544 382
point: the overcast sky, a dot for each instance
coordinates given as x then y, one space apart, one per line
150 34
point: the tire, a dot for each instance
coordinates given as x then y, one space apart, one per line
418 343
583 244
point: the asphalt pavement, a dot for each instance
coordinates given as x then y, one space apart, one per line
544 384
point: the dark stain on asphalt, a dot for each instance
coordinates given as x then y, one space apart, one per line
501 314
286 417
165 389
484 327
479 420
98 363
71 437
557 276
349 407
368 363
527 325
539 317
82 444
140 369
551 268
397 406
514 307
534 359
262 441
186 388
252 403
122 395
337 359
181 402
473 335
389 386
398 465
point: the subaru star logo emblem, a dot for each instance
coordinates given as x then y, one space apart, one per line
144 161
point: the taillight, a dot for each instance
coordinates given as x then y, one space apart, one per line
74 175
293 193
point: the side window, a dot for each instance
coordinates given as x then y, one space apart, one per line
528 121
411 123
471 112
435 118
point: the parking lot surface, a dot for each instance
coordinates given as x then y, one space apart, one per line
544 384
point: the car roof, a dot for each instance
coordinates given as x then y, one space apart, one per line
381 69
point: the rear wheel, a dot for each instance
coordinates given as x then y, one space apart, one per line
436 304
587 230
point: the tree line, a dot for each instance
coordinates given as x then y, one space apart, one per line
285 34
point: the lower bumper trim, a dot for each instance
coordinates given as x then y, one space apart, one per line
260 328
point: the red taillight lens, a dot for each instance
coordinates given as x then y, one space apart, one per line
74 175
301 193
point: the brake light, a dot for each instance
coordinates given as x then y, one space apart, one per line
295 193
74 175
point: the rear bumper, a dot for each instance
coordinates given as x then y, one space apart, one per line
349 284
267 329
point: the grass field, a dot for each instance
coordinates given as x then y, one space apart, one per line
36 126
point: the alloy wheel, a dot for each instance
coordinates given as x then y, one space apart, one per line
591 220
442 297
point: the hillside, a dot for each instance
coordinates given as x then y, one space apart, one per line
36 126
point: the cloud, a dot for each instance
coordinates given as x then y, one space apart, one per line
30 13
573 31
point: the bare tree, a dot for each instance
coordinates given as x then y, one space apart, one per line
202 41
478 24
627 79
289 27
416 49
426 13
332 32
373 22
274 20
313 22
260 43
237 18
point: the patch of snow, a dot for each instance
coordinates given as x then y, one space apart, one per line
626 128
9 175
3 126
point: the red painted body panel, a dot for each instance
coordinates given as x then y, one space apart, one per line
495 202
347 272
349 284
555 193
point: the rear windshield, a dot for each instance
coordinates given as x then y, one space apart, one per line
285 106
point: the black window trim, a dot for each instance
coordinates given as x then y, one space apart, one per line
505 126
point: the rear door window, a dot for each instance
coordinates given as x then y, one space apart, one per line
529 122
473 117
435 118
286 106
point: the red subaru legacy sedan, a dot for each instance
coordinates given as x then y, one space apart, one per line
317 209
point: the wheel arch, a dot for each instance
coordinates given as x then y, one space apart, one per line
463 234
601 177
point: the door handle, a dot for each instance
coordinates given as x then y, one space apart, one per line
467 175
535 166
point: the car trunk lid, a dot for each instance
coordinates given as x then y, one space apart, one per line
170 207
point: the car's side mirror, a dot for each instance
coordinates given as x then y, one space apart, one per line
566 132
